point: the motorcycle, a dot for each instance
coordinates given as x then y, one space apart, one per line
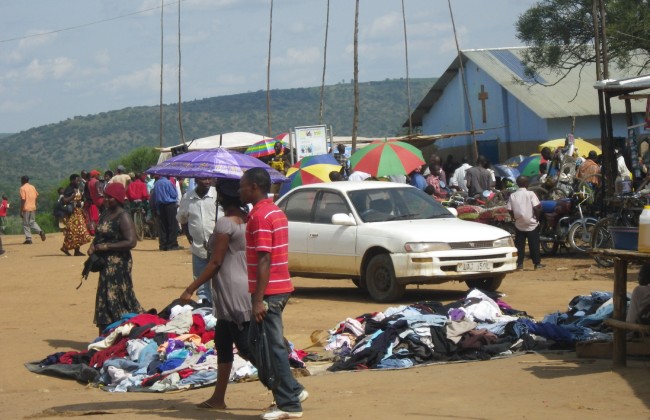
563 224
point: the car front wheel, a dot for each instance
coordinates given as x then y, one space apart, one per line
489 284
381 282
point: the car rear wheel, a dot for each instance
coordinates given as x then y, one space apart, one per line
381 282
489 284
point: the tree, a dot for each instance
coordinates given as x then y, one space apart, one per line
561 34
138 160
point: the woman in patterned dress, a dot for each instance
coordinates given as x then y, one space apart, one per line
76 232
114 238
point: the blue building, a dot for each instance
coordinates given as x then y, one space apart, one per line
516 112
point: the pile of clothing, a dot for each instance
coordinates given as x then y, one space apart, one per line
169 351
478 327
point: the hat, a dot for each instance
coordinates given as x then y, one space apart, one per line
121 168
116 190
229 187
94 173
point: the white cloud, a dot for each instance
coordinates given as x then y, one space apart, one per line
147 79
384 25
295 56
102 57
37 40
10 106
55 68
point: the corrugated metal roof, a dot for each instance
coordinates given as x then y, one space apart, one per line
574 95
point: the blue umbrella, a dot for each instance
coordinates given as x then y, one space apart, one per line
212 163
503 171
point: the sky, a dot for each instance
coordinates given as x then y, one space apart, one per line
61 59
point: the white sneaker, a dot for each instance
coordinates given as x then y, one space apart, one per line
303 395
276 414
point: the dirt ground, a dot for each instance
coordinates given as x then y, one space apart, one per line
42 313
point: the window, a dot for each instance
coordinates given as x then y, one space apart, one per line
328 205
298 206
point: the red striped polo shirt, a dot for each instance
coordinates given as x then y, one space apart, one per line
267 230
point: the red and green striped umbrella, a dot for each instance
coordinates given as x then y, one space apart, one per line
386 157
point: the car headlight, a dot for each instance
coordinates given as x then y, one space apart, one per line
426 246
503 242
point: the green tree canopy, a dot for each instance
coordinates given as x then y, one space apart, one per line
561 34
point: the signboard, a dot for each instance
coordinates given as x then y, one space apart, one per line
310 141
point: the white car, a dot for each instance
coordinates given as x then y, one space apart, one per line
386 235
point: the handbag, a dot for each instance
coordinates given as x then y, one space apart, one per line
63 210
93 263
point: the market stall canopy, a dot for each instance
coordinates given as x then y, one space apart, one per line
584 147
235 140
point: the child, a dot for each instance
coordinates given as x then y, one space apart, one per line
4 206
639 310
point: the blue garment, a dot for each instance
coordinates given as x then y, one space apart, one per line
120 363
287 388
550 331
204 292
148 354
164 192
418 181
170 364
200 377
394 363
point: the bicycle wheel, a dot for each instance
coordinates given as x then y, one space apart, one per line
547 241
580 235
139 225
601 238
540 192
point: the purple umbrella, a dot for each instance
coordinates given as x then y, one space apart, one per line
212 163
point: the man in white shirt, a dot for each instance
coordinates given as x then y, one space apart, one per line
458 178
197 215
358 176
525 208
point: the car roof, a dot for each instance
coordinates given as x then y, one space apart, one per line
345 186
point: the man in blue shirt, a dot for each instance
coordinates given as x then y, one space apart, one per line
417 180
164 200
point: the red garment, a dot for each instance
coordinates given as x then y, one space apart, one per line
267 231
115 351
198 325
137 190
3 208
207 336
144 319
95 194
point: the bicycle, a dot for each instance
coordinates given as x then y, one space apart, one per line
139 213
628 208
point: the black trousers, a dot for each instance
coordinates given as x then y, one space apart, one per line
168 227
533 245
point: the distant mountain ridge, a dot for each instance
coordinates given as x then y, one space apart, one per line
51 152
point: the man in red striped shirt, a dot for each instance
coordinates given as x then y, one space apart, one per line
269 282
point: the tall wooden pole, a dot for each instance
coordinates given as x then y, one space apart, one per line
355 119
268 77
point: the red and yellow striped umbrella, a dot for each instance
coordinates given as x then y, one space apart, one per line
310 170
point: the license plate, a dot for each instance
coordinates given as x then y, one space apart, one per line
474 266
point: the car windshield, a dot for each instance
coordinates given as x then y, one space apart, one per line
382 205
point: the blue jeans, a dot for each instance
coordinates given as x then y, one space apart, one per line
204 291
287 390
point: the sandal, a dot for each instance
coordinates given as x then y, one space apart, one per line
207 406
65 251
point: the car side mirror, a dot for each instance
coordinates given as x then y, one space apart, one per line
343 219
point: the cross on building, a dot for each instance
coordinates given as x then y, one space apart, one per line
483 96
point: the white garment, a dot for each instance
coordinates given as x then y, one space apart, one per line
458 178
485 310
200 215
621 167
521 203
358 176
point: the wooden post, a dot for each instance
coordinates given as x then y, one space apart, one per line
620 306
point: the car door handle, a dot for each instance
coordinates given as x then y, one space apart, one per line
313 235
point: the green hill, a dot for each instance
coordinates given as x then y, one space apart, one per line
51 152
